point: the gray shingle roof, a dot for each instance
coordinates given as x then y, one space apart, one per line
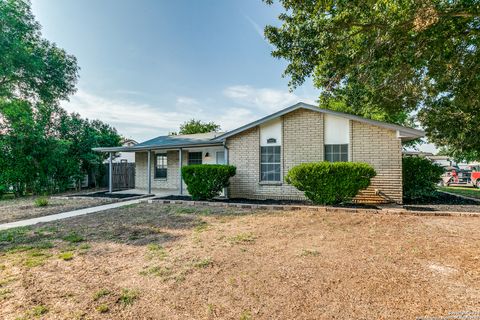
217 138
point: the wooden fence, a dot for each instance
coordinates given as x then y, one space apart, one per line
123 176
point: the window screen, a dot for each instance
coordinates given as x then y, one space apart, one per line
336 152
161 165
194 158
270 163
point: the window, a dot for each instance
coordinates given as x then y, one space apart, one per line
220 157
336 152
160 166
270 163
194 158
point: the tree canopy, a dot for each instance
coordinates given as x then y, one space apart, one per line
197 126
42 147
389 60
31 67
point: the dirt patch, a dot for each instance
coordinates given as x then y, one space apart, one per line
106 194
25 208
151 261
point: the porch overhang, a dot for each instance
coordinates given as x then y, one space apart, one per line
157 147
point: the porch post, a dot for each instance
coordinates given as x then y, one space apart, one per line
110 172
149 171
180 162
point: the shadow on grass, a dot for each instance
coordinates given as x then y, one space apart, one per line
139 224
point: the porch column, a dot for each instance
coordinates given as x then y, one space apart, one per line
110 173
149 171
180 162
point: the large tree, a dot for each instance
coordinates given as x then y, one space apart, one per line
31 67
389 60
197 126
43 149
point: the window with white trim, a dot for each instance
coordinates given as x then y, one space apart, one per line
160 166
336 152
195 158
270 163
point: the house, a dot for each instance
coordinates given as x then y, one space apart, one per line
265 150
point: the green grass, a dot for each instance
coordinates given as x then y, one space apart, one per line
67 256
242 238
156 251
101 293
203 263
463 191
39 311
127 297
157 271
103 308
35 258
41 202
73 237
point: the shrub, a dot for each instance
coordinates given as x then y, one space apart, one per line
330 182
41 202
206 181
420 176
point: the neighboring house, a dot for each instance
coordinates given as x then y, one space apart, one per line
265 150
125 157
128 157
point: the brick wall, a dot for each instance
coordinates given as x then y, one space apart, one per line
303 142
172 180
382 149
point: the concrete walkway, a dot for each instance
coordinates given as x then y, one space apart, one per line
68 214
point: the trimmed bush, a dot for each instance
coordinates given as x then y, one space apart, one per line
41 202
330 182
420 176
206 181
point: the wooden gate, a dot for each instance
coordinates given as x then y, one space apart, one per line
123 175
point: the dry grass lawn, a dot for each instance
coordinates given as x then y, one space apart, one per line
25 208
152 261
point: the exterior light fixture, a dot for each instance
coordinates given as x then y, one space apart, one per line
207 155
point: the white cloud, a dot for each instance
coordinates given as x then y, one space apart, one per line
187 101
266 99
142 121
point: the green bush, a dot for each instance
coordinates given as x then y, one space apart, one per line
330 182
41 202
206 181
420 176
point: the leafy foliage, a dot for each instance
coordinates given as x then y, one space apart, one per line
43 148
41 202
197 126
206 181
330 182
420 176
32 67
389 59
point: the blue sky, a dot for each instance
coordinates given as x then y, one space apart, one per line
147 66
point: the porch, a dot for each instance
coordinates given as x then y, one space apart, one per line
158 170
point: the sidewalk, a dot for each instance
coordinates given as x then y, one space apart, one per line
68 214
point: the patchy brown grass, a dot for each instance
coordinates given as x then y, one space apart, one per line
27 208
172 262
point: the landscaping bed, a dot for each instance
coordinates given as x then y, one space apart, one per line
26 208
443 202
106 194
265 202
195 262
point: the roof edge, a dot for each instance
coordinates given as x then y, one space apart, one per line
407 133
